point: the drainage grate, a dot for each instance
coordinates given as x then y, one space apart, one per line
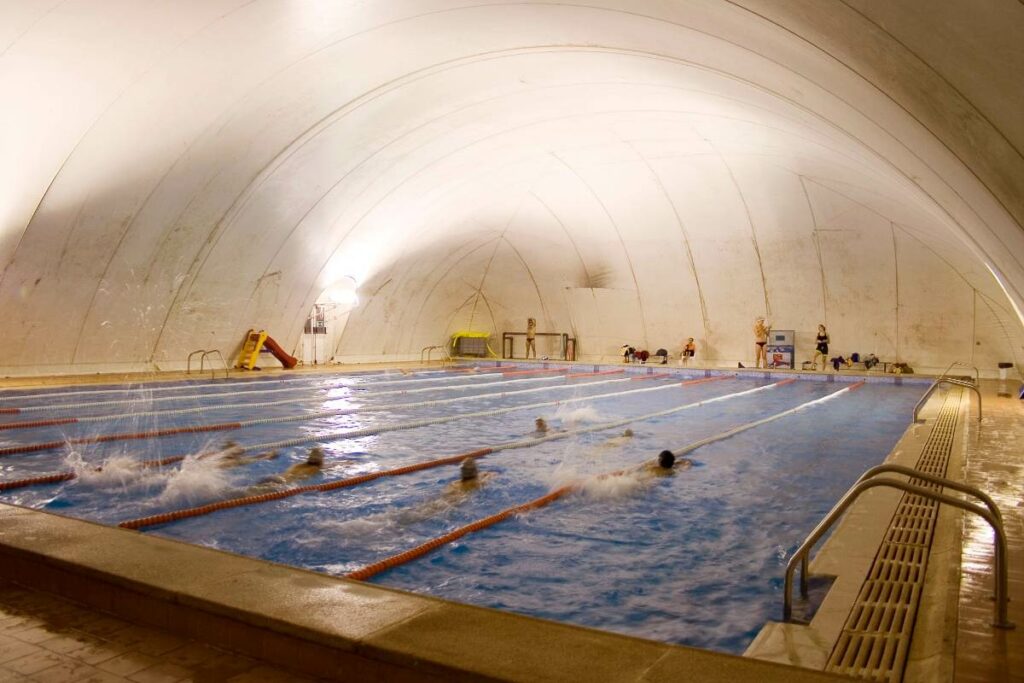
876 637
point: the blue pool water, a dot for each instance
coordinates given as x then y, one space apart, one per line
694 558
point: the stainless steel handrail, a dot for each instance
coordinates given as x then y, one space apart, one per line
188 366
977 375
429 350
213 371
947 380
917 474
854 492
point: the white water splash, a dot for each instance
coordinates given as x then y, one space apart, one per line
117 471
572 417
196 480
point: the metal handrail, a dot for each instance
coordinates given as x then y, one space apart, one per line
188 366
941 481
854 492
946 380
917 474
213 371
429 350
977 375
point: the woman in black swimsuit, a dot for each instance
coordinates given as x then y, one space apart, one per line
822 347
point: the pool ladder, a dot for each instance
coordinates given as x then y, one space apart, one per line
945 378
203 355
428 350
989 512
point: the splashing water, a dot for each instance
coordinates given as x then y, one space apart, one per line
196 481
572 417
117 471
595 481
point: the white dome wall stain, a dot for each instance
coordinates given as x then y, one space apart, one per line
224 260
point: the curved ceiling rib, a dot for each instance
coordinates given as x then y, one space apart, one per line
717 160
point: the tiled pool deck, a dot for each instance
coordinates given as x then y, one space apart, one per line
47 639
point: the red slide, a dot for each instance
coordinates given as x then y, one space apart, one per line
287 361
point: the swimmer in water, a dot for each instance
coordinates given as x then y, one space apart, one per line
233 455
662 467
297 472
540 426
470 480
626 435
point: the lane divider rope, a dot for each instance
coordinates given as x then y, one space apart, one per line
161 386
419 551
304 417
64 407
253 405
71 474
175 515
415 553
689 448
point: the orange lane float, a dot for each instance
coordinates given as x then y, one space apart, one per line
39 423
595 374
45 479
433 544
201 510
352 481
50 445
702 380
518 373
58 477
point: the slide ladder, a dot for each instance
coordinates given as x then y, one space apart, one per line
254 343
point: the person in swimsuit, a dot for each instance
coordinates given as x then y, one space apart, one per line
313 465
233 455
821 348
760 340
531 337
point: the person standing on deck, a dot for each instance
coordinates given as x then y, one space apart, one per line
761 328
531 337
821 348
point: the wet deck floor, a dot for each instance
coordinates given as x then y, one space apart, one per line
995 464
44 638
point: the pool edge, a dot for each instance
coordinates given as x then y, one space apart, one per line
325 626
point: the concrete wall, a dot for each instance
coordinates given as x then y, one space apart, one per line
174 173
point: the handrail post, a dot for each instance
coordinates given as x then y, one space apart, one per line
1002 597
941 481
213 370
977 373
946 380
188 366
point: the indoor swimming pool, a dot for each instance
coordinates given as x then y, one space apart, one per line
695 558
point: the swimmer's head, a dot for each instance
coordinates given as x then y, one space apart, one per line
541 424
468 469
627 432
229 444
316 457
666 459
